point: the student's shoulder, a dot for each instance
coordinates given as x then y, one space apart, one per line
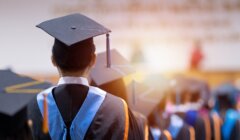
110 115
113 102
109 98
113 106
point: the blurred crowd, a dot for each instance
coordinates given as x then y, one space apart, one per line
190 110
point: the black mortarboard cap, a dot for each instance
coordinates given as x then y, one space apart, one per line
13 112
111 78
74 28
11 82
120 67
227 90
143 98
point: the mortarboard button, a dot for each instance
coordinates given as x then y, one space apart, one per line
73 27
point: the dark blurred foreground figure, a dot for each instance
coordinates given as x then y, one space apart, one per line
111 78
225 106
77 110
112 81
14 123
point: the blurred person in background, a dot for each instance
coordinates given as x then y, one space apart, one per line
167 120
196 56
194 116
226 107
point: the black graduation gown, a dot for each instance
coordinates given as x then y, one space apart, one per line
107 123
143 125
156 119
199 127
184 133
213 120
235 135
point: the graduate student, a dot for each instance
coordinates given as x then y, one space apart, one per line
194 117
225 107
76 110
169 117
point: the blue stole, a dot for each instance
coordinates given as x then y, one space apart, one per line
191 117
176 123
230 120
81 122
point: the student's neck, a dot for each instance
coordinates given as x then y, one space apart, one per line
73 74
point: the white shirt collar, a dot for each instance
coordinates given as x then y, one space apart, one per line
73 80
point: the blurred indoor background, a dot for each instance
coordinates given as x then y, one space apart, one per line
157 36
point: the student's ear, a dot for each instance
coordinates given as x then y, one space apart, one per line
53 61
93 61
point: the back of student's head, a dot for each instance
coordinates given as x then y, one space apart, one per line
195 95
73 58
225 102
171 96
185 96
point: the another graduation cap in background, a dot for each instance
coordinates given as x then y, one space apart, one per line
13 113
11 82
145 96
142 98
110 78
225 96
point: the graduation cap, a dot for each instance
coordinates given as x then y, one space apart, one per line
75 28
227 92
11 82
13 112
111 79
143 98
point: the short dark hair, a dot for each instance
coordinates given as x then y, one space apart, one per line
75 57
195 95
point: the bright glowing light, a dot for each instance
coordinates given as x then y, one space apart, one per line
164 57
